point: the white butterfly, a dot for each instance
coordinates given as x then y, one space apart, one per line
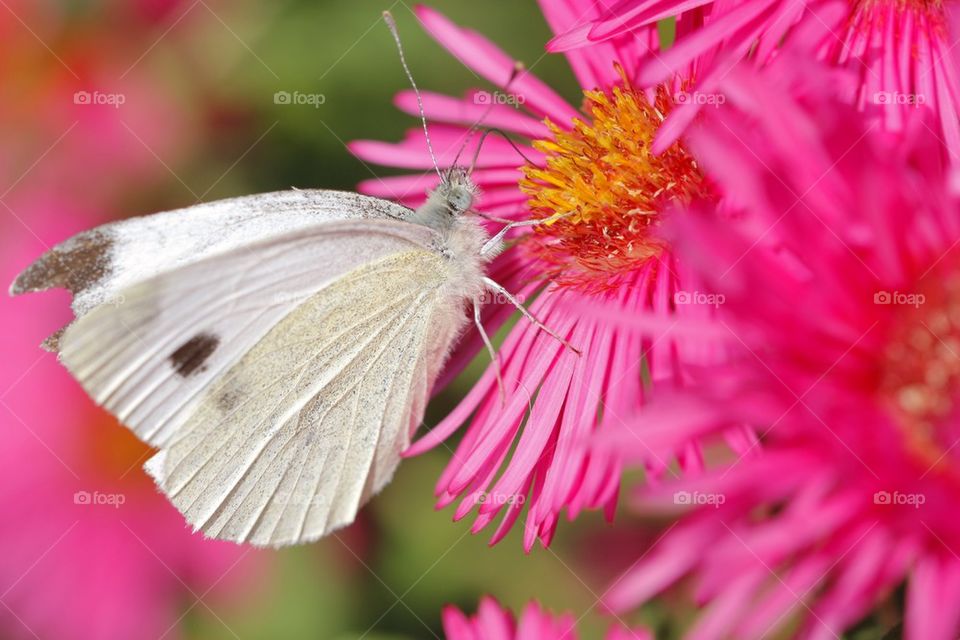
278 349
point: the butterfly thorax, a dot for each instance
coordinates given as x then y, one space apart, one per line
460 237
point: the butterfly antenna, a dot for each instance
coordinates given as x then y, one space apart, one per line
518 68
502 134
388 18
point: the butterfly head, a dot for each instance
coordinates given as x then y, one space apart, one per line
456 191
452 198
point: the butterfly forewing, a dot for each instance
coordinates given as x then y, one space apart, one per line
97 265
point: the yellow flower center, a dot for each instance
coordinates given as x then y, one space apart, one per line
874 15
606 189
920 377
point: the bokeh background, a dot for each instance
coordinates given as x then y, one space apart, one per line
113 108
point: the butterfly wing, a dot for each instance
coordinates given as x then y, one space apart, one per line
296 436
159 341
166 353
98 264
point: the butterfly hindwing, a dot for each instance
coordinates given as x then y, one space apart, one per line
295 437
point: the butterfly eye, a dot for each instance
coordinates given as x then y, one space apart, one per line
460 201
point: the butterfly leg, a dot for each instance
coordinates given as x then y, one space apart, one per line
498 288
494 357
493 244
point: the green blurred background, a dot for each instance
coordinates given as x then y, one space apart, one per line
340 50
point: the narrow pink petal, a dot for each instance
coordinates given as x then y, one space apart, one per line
573 39
661 67
620 633
593 65
575 425
489 61
510 517
665 564
934 582
494 622
471 110
727 609
533 440
456 625
642 14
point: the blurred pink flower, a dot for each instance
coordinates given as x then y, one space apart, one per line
91 550
492 622
900 52
595 163
840 290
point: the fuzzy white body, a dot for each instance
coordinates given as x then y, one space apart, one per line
279 350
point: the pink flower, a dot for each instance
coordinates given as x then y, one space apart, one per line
595 164
492 622
901 52
85 101
90 549
839 284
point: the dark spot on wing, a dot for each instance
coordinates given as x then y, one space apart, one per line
77 264
228 399
191 355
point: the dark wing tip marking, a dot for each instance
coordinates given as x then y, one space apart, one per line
191 355
52 343
77 264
